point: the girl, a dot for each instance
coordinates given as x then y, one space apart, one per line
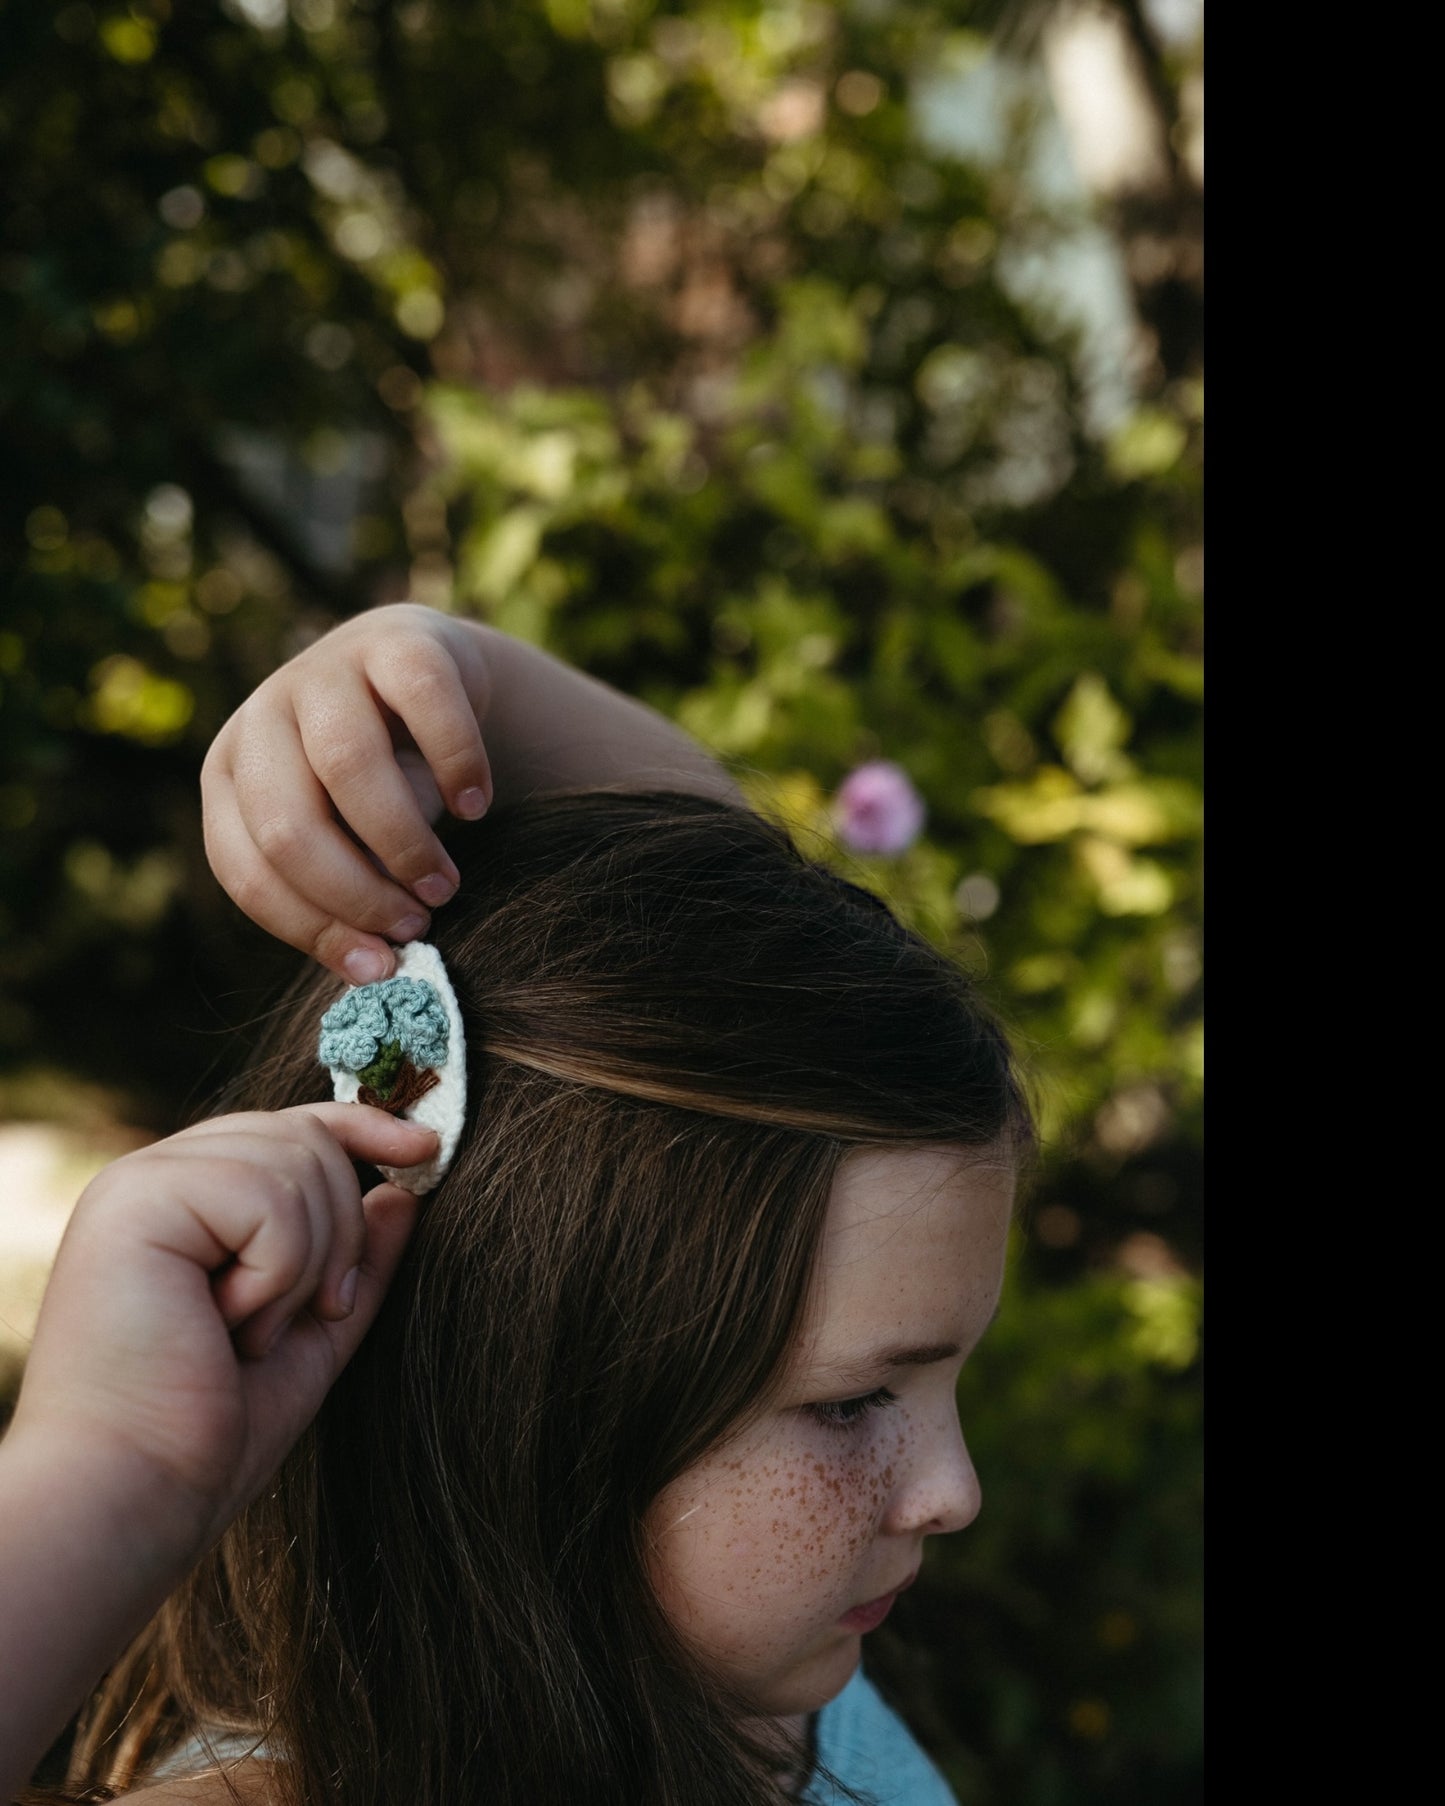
659 1412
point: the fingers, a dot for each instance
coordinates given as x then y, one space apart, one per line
361 1130
387 1216
288 1253
286 809
346 742
199 1307
329 744
370 1134
275 844
295 1375
390 1215
264 895
421 685
298 1236
349 1131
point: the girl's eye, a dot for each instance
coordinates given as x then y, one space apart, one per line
842 1412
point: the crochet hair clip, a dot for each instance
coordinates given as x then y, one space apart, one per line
399 1046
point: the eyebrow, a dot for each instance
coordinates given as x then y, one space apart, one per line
881 1360
866 1372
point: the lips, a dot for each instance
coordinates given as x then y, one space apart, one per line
870 1615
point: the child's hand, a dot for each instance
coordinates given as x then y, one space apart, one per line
207 1292
372 730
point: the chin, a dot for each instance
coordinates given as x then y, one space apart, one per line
809 1686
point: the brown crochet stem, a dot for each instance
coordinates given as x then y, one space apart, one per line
409 1086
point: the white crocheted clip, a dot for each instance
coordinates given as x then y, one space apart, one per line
399 1044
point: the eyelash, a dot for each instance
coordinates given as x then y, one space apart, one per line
843 1413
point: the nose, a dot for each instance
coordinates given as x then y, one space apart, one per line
936 1485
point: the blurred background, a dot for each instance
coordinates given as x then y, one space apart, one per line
828 375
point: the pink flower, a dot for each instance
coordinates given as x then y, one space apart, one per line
877 810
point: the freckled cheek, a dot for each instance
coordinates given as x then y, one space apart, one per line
785 1527
844 1496
819 1515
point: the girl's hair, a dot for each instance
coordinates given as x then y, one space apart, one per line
678 1027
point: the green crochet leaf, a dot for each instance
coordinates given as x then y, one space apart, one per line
381 1074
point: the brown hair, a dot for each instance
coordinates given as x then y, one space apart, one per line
678 1027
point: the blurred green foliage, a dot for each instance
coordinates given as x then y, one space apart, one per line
660 335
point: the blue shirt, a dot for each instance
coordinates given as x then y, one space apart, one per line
870 1749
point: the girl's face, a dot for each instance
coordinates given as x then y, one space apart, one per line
777 1551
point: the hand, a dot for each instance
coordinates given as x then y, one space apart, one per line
207 1292
320 791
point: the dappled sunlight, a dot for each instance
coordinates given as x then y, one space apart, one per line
830 378
44 1167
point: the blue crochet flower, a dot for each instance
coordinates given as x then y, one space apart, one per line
406 1011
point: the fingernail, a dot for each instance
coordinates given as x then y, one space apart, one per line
346 1291
364 965
472 803
276 1335
435 888
409 928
